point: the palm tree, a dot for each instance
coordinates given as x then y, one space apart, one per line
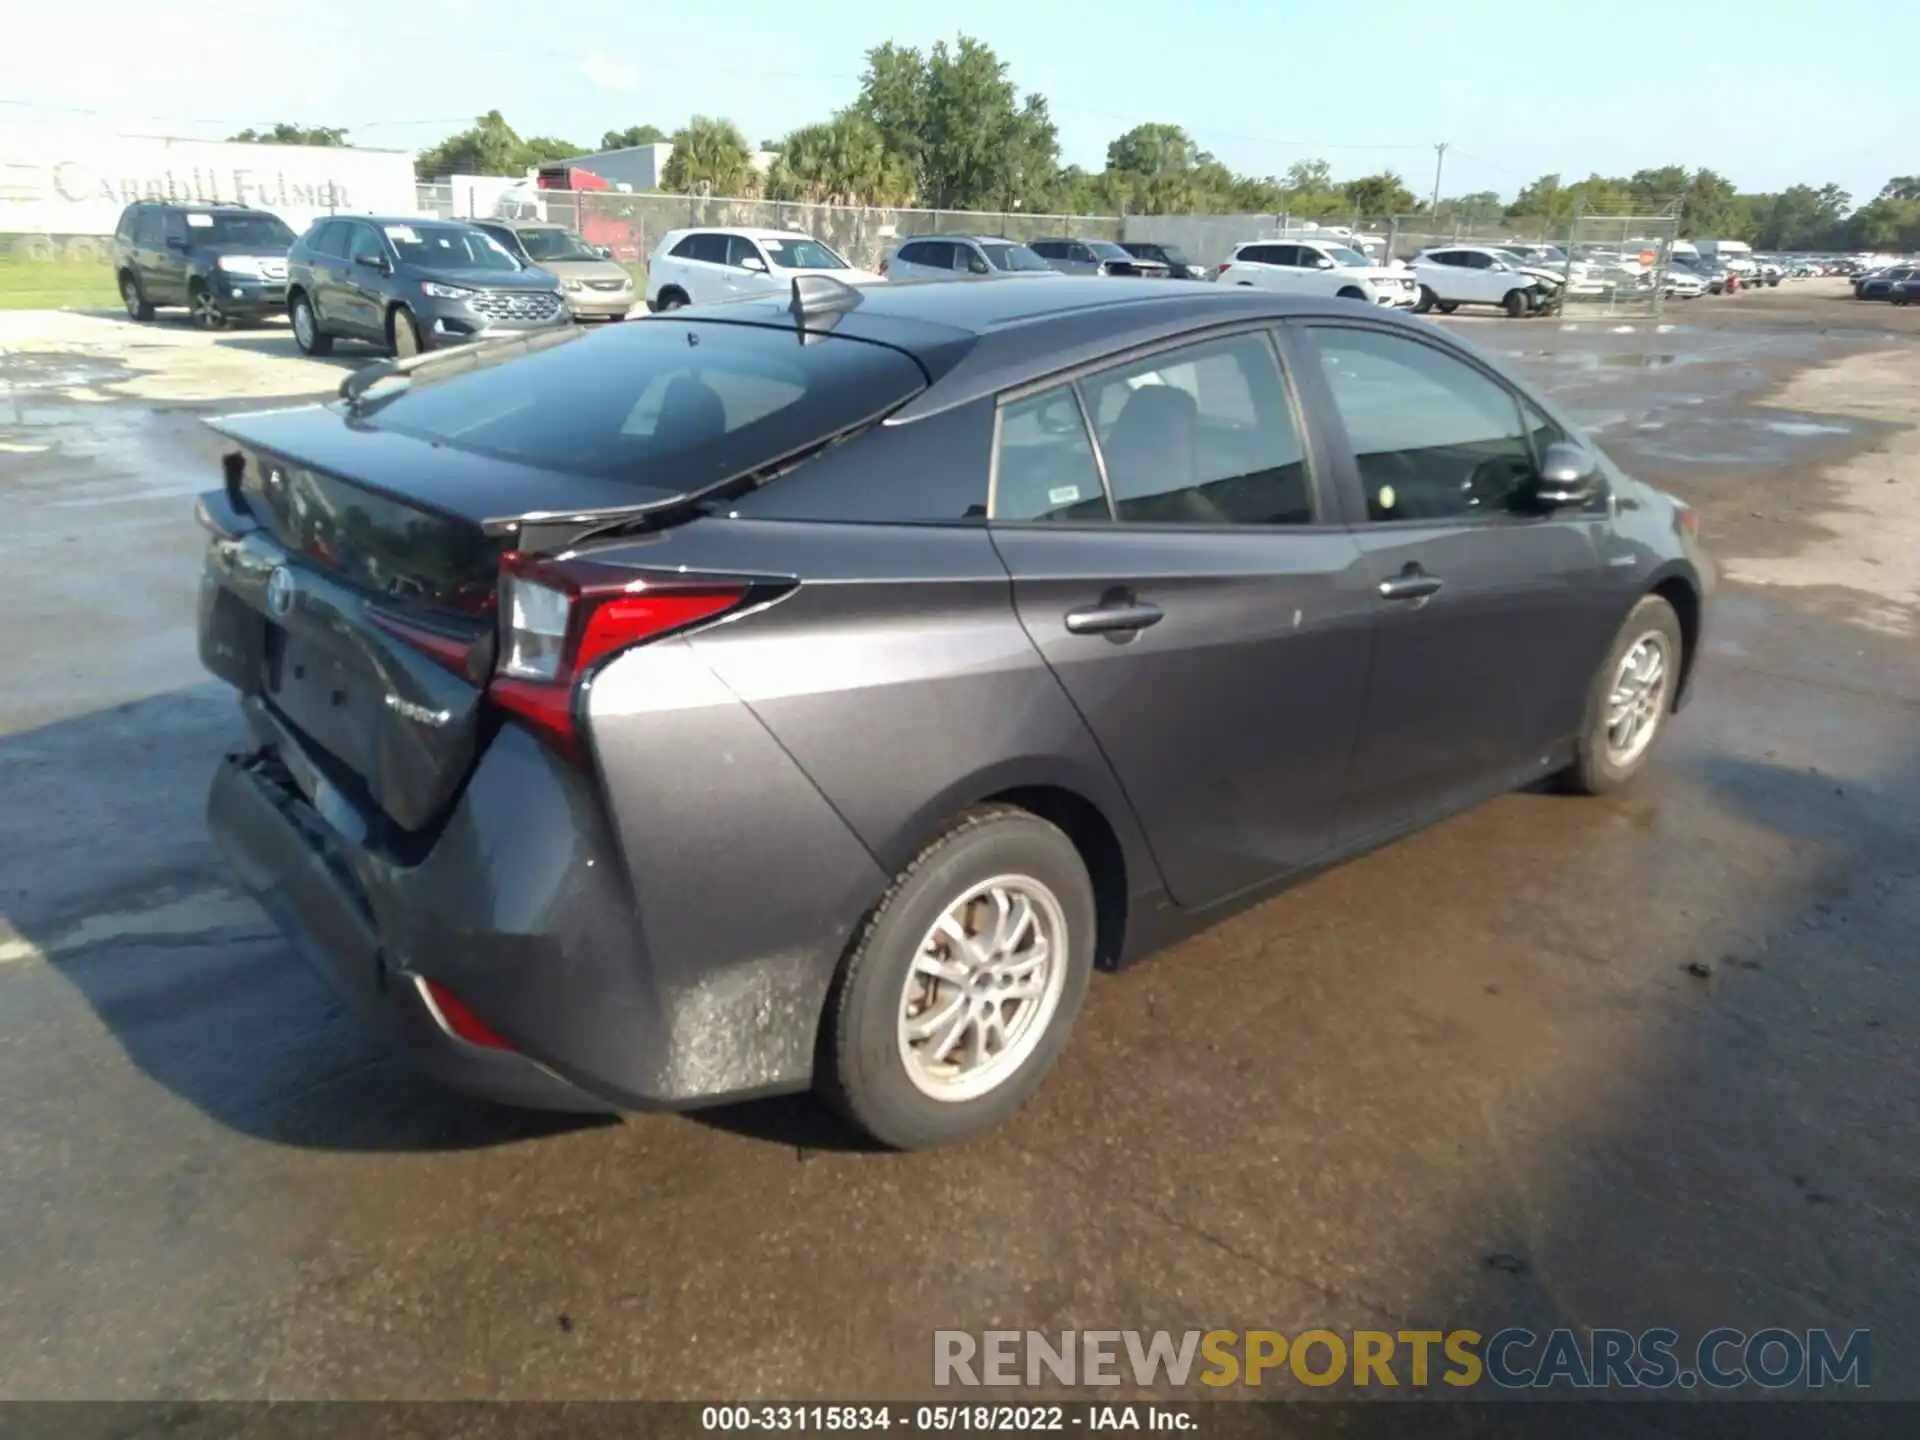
712 153
843 161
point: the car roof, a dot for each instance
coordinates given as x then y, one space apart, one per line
197 206
976 338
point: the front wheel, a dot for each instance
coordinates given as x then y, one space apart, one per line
1632 696
134 299
403 334
1426 301
205 310
307 333
1516 305
960 992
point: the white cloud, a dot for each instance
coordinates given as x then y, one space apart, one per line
609 74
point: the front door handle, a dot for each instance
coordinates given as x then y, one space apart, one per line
1112 618
1412 583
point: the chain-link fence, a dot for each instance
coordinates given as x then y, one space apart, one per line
1622 264
631 224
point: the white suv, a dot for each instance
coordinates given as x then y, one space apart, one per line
1317 268
698 267
1454 275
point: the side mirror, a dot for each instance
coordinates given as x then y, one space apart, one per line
976 264
371 260
1323 264
755 264
605 252
1569 476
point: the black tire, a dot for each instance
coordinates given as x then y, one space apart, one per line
1349 293
862 1068
307 333
1516 305
203 309
1598 766
133 297
1426 301
403 334
670 299
1446 307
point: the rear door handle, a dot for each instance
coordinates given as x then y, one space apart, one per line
1412 583
1114 618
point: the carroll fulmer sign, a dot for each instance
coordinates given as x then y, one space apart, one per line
64 184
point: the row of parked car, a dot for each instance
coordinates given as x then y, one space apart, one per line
405 283
1899 283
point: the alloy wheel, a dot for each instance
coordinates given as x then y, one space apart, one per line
207 313
1638 698
303 325
985 983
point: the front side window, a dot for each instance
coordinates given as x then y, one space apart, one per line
740 250
1046 465
1434 438
174 226
1202 435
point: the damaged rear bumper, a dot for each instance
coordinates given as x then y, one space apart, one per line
521 907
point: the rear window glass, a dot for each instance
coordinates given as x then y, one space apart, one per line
670 405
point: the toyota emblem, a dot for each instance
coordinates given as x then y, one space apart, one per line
280 590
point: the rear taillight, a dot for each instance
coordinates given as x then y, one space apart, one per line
557 617
883 267
457 1019
1221 271
1687 518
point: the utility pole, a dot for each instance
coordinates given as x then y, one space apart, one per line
1439 162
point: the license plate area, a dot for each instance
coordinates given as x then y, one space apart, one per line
332 702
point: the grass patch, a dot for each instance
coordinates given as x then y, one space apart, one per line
54 284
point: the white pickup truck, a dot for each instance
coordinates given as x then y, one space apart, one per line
1309 267
1455 275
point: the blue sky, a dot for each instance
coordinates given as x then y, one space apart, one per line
1766 92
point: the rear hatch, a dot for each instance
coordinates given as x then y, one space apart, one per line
354 578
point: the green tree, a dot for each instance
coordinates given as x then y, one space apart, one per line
958 121
490 147
1799 217
1901 187
544 150
285 134
1382 194
843 161
1310 177
633 135
713 153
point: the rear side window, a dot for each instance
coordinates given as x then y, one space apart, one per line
1202 435
686 249
935 254
124 231
1047 470
668 405
147 229
931 471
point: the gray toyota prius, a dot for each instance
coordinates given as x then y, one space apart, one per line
814 691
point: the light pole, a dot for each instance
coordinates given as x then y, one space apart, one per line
1439 163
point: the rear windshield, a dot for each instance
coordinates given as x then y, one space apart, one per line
669 405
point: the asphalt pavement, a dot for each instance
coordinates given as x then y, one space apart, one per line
1641 1061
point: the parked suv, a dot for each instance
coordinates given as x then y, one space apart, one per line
1171 256
697 267
412 285
596 286
942 257
1317 268
1096 257
223 262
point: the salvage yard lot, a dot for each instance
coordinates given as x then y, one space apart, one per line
1639 1061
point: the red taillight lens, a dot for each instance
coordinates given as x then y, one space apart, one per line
1222 270
883 266
558 617
1688 519
455 1015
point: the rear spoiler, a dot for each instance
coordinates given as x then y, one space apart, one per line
457 357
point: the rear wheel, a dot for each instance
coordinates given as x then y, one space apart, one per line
961 990
403 334
134 298
204 308
307 333
1349 293
1631 698
1516 304
1426 301
670 299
